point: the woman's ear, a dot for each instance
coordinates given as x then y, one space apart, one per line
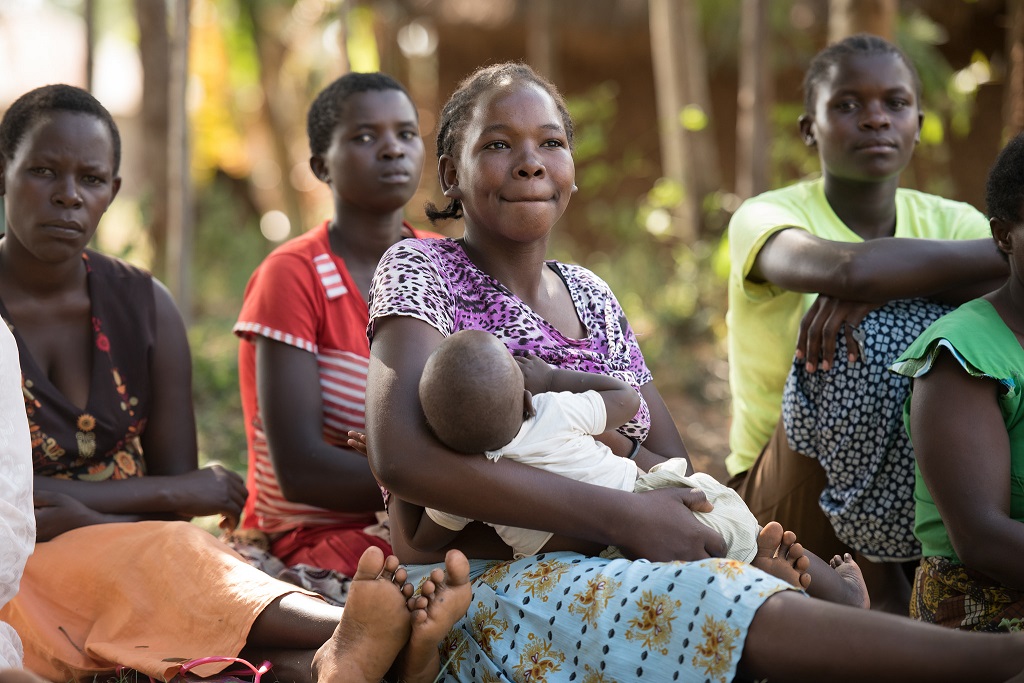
806 124
319 168
448 176
1002 232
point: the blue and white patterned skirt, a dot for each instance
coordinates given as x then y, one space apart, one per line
850 419
567 617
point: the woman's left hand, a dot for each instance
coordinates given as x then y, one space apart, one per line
57 513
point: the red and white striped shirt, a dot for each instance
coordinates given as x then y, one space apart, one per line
302 295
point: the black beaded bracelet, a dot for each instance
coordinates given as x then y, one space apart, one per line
635 449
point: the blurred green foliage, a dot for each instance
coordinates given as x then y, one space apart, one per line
672 290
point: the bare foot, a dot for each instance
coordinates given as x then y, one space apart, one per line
853 581
443 600
374 627
780 555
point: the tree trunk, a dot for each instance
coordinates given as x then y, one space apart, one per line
848 17
688 157
89 15
540 38
1013 106
154 53
180 217
281 111
753 100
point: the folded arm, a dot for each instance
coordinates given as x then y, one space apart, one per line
414 466
877 270
854 278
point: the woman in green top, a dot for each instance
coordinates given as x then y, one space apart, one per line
965 417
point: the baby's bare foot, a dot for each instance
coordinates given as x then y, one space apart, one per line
780 555
853 580
442 601
374 627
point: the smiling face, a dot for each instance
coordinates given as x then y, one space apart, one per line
513 171
866 118
376 153
57 185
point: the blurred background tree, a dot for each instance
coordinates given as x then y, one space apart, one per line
684 108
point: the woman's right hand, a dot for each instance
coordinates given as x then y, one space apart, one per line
662 527
820 326
209 491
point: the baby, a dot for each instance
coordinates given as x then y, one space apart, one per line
478 398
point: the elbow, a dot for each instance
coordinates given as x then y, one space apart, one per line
388 471
293 488
633 403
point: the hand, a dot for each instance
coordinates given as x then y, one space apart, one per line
664 528
212 490
357 442
820 327
57 513
536 373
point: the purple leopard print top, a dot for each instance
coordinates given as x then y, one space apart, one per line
436 282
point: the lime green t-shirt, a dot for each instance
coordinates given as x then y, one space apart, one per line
764 320
985 347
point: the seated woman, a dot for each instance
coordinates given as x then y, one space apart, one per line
965 416
303 355
825 454
505 164
17 521
115 579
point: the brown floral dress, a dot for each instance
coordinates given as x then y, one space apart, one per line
102 441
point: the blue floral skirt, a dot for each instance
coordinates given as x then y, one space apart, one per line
568 617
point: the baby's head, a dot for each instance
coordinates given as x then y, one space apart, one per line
472 392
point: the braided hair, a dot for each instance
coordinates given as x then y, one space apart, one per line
459 108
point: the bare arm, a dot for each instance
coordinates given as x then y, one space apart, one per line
964 454
309 469
414 466
620 400
173 487
854 278
426 535
877 270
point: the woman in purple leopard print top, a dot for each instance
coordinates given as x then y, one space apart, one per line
505 165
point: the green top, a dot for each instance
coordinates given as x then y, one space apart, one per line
985 347
764 320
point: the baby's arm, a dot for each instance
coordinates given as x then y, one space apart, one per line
621 401
427 535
